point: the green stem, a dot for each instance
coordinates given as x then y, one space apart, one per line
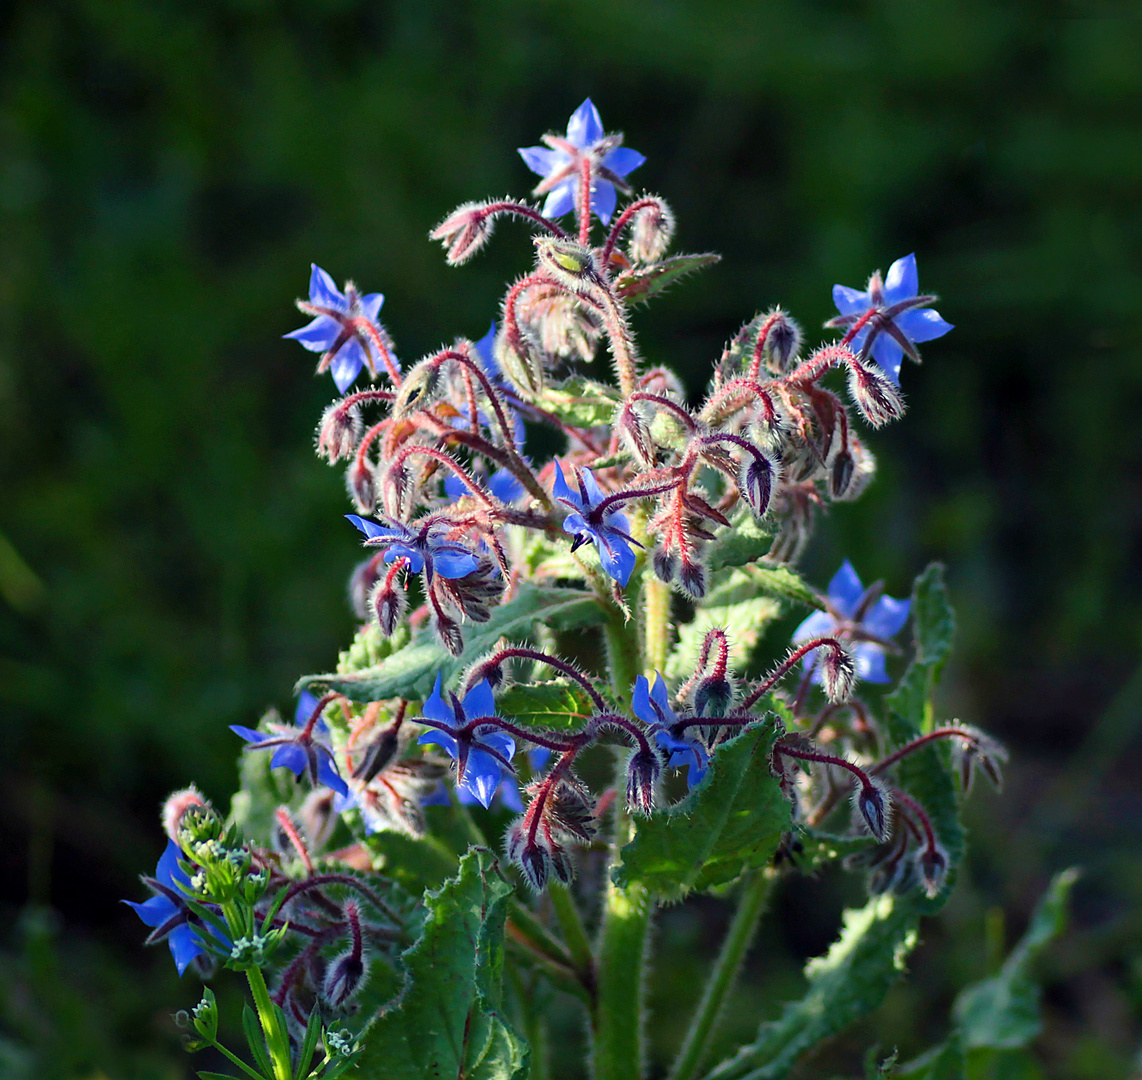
622 655
277 1042
721 980
657 603
534 1028
571 924
535 933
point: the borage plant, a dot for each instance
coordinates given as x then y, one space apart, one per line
486 806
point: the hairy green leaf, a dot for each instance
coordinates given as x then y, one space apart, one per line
447 1020
1003 1012
746 541
558 704
844 984
732 821
412 671
640 285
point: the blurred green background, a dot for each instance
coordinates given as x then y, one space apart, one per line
171 554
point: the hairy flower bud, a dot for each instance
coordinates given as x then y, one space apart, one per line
841 473
838 672
875 810
388 603
532 857
692 578
665 564
361 483
872 391
933 865
651 232
782 342
756 480
642 775
344 978
339 432
177 805
420 388
713 696
464 231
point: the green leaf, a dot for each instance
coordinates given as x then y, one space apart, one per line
733 606
557 704
732 821
1003 1012
637 286
786 584
926 774
255 1040
944 1062
746 541
447 1021
412 671
582 402
308 1045
844 985
205 1075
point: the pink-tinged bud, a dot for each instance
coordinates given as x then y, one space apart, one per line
388 604
344 978
757 481
464 232
420 388
692 578
782 343
933 865
531 857
642 776
448 630
873 392
976 748
651 233
339 432
636 434
665 564
360 482
177 805
875 810
838 673
524 369
318 818
378 755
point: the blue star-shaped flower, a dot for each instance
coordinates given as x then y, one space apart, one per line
427 551
608 530
560 164
338 329
167 910
901 320
477 769
862 618
652 707
296 751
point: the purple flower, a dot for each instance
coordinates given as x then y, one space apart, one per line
296 749
501 484
560 164
167 910
652 707
866 619
425 549
901 321
480 754
608 530
344 328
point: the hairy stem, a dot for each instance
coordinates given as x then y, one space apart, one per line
738 940
277 1042
657 607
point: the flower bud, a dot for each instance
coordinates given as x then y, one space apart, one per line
873 392
636 434
361 583
841 473
343 978
875 809
318 818
665 564
642 775
692 578
419 389
713 696
651 232
933 864
464 232
567 261
524 369
782 343
387 604
339 432
530 856
360 481
177 805
448 630
380 752
756 482
838 672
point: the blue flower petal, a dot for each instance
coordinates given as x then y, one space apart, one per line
541 160
560 488
250 735
168 870
660 696
323 289
184 945
576 524
845 590
370 528
622 160
500 741
923 324
560 200
870 662
504 486
603 199
585 128
306 703
290 756
371 304
347 364
441 739
510 796
453 565
479 701
887 617
327 773
317 335
889 355
640 701
901 281
591 487
481 776
819 624
437 797
618 558
436 708
153 912
850 301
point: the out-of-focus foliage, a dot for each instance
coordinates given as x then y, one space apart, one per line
171 552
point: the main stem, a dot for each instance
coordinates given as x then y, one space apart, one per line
618 1042
721 980
276 1041
657 600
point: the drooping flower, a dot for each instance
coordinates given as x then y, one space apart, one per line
652 706
480 751
560 164
344 329
608 530
902 318
296 749
865 620
425 549
167 911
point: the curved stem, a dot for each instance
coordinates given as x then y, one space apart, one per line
721 980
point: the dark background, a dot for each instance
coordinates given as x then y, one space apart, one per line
171 557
